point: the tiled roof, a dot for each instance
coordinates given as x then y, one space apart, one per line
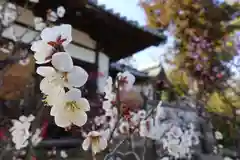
123 67
124 18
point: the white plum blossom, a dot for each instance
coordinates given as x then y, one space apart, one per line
52 16
128 80
107 105
178 142
8 14
70 109
220 146
20 131
61 11
95 140
112 114
142 114
109 95
135 118
58 35
34 1
36 138
43 51
108 90
176 132
227 158
148 129
160 113
63 154
51 38
218 135
238 111
98 120
165 158
177 150
62 74
39 24
232 2
124 127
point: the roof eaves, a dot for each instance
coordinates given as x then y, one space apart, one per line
124 18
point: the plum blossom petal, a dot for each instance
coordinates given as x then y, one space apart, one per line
43 52
61 11
62 61
45 71
48 87
77 77
62 120
39 24
71 109
20 131
52 16
62 33
129 78
34 1
58 80
218 135
232 2
96 140
79 119
86 143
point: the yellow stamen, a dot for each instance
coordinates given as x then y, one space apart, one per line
65 76
72 106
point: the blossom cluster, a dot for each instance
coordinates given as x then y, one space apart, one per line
61 85
21 134
62 80
108 123
178 142
8 14
175 137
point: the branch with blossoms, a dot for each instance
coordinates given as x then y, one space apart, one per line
61 86
119 115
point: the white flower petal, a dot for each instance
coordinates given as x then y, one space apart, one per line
30 118
73 94
65 31
107 105
45 71
52 16
56 97
130 80
52 34
49 34
94 134
43 52
84 104
23 118
62 120
63 154
47 87
77 77
86 143
40 26
34 1
54 111
102 143
37 20
79 118
62 61
61 11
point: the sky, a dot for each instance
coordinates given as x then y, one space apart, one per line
132 10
